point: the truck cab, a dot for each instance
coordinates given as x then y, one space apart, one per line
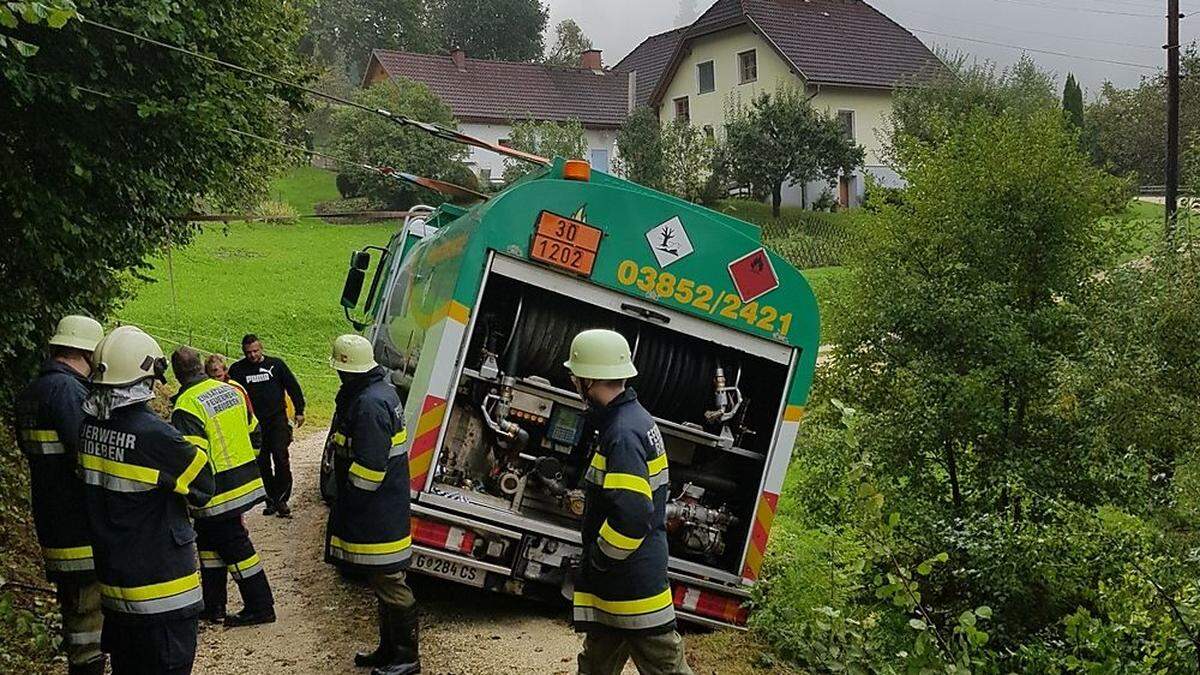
473 311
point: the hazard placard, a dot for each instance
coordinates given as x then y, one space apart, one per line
753 275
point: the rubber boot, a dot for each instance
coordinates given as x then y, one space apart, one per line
93 667
383 653
257 600
405 636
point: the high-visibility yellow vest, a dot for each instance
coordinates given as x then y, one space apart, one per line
227 427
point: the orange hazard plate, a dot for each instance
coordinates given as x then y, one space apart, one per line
565 243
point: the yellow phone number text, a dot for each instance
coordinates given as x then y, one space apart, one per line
703 297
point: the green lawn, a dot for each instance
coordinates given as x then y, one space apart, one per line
1143 223
279 281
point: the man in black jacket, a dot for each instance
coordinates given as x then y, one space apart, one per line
267 379
49 412
623 600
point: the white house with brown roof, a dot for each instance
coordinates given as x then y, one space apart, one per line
847 55
487 96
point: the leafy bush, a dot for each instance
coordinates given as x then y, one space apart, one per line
640 149
364 137
546 139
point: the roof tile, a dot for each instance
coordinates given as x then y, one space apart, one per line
502 91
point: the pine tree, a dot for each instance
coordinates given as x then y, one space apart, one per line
1073 101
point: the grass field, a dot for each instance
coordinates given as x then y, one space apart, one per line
281 282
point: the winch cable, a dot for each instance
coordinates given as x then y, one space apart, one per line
434 184
422 181
436 130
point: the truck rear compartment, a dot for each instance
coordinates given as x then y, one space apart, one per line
502 493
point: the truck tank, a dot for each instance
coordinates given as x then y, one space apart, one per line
474 310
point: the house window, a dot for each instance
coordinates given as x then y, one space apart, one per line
846 120
485 175
683 111
748 66
708 80
600 160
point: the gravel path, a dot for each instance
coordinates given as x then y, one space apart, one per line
324 619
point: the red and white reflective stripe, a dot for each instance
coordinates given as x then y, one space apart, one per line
711 605
440 535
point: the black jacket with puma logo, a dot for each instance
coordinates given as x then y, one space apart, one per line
266 382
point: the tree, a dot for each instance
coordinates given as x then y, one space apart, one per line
961 309
343 32
569 45
94 183
506 30
640 148
930 112
361 136
1072 102
547 139
1129 126
780 138
687 13
688 158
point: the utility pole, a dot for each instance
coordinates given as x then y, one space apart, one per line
1172 47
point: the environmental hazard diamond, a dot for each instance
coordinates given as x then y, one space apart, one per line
669 242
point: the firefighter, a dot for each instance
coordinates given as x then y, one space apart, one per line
214 417
368 529
140 475
622 597
270 384
49 412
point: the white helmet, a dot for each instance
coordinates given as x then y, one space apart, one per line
127 355
352 354
79 332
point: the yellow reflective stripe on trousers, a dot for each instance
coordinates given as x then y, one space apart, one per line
189 474
616 545
73 559
246 568
159 598
117 476
198 441
627 481
641 614
232 499
384 553
211 560
364 478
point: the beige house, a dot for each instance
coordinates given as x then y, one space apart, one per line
845 54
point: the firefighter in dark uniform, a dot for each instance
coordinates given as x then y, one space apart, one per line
214 417
140 475
368 529
49 412
622 597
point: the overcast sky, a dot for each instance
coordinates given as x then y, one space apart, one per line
1128 31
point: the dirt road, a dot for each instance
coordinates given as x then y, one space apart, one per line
324 619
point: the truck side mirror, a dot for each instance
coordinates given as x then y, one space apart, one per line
355 276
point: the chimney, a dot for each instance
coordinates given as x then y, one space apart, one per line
590 59
459 57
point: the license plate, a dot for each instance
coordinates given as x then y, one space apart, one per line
445 569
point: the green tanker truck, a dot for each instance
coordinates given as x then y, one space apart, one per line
473 310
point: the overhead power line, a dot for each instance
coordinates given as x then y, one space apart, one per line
1085 10
436 130
1127 64
901 8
